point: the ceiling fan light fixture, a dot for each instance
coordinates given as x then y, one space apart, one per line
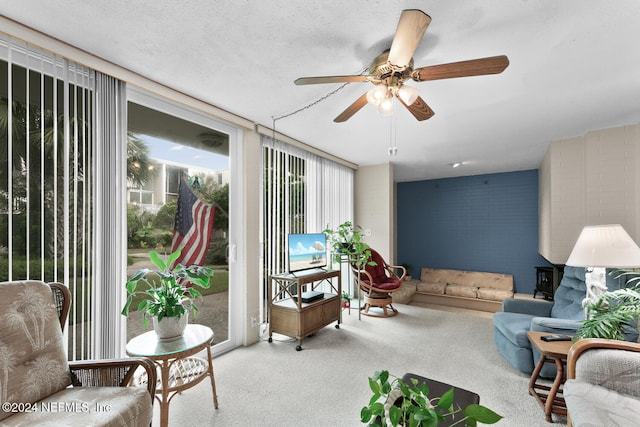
408 94
386 106
376 94
389 70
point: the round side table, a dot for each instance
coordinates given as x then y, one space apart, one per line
179 368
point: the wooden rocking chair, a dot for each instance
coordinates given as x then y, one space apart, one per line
378 282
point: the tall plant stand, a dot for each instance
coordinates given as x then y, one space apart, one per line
346 259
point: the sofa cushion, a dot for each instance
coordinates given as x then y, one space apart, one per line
467 278
494 294
593 405
432 288
405 294
461 291
477 279
497 281
438 275
31 343
90 406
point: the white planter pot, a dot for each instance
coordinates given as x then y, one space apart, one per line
170 327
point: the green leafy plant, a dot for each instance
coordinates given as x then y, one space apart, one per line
614 310
348 240
397 403
167 292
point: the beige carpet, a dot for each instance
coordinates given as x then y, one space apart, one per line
325 384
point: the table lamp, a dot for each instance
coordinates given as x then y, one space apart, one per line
599 247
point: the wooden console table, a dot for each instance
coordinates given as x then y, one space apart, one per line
288 315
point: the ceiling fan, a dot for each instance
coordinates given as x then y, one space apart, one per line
392 68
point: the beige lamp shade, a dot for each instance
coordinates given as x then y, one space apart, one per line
604 246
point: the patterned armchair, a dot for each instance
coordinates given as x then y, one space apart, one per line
38 386
603 383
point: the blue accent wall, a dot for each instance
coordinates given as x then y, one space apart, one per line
477 223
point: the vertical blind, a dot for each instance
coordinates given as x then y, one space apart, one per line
111 223
48 215
302 193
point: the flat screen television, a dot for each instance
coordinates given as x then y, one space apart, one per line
307 251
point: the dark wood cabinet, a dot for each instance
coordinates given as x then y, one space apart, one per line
547 280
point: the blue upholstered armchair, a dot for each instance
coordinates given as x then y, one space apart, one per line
564 316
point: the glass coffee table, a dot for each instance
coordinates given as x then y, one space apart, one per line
179 368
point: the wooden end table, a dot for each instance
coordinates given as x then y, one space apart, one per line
179 369
550 352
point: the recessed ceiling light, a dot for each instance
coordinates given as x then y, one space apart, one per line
455 164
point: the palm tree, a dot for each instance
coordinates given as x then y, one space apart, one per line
140 167
7 363
45 373
29 305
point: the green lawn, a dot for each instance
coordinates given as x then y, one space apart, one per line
219 281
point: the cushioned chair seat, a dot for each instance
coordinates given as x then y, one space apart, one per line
386 284
594 405
36 371
603 383
89 406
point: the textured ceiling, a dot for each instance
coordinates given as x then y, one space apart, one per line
574 67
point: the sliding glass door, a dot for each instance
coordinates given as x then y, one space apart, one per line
170 146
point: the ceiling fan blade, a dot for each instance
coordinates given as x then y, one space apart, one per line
472 67
420 110
331 79
352 109
411 27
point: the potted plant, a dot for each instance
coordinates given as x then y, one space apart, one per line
346 299
397 403
613 311
167 293
406 266
348 240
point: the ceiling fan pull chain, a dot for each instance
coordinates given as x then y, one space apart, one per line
393 148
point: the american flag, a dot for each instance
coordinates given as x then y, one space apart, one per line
192 227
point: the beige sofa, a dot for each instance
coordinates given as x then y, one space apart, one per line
465 289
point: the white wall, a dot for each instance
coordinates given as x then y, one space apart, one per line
375 207
252 292
588 180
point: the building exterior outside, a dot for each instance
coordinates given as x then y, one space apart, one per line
163 187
